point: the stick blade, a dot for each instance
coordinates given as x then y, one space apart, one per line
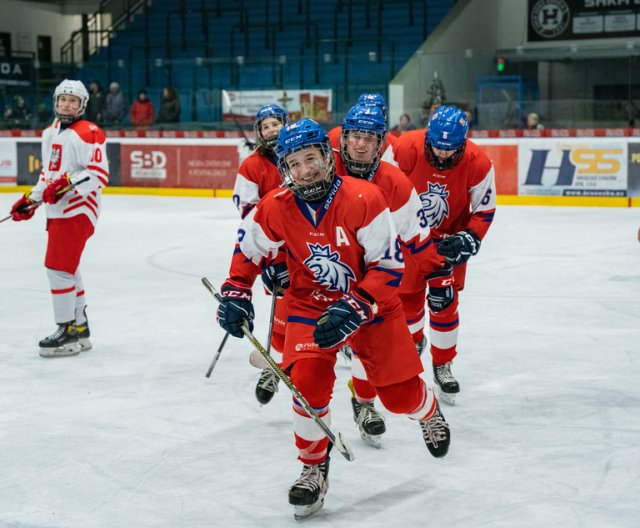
344 448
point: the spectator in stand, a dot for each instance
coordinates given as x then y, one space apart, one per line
95 106
533 122
19 113
142 111
169 106
404 124
115 108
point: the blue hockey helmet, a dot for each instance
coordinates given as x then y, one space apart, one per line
311 174
447 130
368 124
373 99
270 110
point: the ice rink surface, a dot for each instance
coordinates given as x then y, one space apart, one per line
545 433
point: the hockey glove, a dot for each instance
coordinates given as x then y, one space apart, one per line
441 291
276 278
20 210
235 307
56 190
458 248
342 319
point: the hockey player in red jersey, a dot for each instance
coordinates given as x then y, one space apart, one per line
257 175
72 150
344 277
456 184
366 99
363 133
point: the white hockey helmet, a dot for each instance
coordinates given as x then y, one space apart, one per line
75 88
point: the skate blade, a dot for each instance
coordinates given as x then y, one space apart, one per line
372 440
302 512
85 344
445 397
70 349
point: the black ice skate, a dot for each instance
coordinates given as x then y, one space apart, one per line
308 492
62 343
421 346
436 434
369 421
346 353
446 385
84 333
267 386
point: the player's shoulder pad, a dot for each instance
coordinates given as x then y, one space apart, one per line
475 152
88 132
359 188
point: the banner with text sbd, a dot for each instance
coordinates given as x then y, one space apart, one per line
172 165
576 167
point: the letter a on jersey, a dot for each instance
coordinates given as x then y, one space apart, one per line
341 237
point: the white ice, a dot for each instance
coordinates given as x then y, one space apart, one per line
545 433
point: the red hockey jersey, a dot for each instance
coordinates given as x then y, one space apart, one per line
346 243
454 199
257 176
414 240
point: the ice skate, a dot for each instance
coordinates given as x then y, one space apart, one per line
446 385
267 386
84 333
436 434
369 421
421 345
346 353
62 343
308 492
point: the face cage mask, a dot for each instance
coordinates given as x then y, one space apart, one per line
67 119
447 164
269 143
361 169
314 191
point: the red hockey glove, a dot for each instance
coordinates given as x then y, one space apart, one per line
20 210
56 190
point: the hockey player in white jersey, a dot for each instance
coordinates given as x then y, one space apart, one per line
74 171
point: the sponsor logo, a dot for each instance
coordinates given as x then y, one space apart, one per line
148 165
577 163
301 347
7 68
550 18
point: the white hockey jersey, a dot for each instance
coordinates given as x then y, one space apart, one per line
80 151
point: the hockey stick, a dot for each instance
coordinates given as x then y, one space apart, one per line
227 100
39 202
334 439
215 359
271 318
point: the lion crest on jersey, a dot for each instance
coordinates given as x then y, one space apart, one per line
327 268
434 204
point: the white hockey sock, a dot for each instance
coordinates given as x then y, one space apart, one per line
63 293
80 299
427 407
